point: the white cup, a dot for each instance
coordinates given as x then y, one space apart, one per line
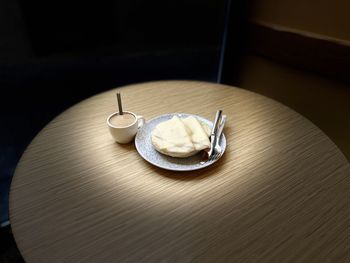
125 134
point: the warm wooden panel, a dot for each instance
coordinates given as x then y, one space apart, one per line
307 51
322 100
281 193
326 17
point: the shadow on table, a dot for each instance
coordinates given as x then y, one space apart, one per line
190 175
9 252
184 175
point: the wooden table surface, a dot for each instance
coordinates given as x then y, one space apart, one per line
281 192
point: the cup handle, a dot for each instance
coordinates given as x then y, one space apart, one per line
141 121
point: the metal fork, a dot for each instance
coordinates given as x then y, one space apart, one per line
217 148
214 132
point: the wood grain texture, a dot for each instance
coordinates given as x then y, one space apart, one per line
281 192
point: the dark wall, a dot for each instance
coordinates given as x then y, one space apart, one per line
57 26
14 42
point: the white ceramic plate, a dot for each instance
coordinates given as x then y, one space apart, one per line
145 148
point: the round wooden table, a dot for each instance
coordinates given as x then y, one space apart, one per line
281 192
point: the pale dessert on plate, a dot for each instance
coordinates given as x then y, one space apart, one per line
181 137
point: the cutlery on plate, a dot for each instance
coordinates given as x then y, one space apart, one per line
217 148
214 133
208 153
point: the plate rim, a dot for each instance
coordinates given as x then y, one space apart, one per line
178 169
